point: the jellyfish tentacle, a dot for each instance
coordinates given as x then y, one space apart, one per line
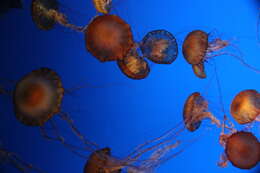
223 161
86 142
139 147
57 137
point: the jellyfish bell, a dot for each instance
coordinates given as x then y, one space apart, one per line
37 97
102 6
159 46
108 38
134 66
45 14
98 162
245 107
242 149
195 110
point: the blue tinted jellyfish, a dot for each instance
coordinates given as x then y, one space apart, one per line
159 46
45 14
7 157
145 158
198 49
37 98
134 66
5 5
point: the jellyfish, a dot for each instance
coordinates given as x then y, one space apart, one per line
134 66
45 14
197 49
195 110
5 5
242 149
108 38
102 6
7 157
245 107
159 46
144 158
37 98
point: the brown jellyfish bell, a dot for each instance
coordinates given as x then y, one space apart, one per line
146 157
8 157
242 149
195 110
108 38
245 107
134 66
37 98
45 14
197 49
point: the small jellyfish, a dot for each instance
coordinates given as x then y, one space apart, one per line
108 38
134 66
102 6
98 160
245 107
197 49
5 5
45 14
159 46
195 110
242 149
37 98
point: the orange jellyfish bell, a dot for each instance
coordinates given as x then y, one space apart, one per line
194 50
134 66
108 38
37 97
243 150
97 161
245 107
195 110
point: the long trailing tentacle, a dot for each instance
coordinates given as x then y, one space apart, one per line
57 137
88 144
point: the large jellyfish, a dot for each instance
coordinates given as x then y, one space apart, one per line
161 149
37 99
7 157
108 38
197 49
242 149
134 66
159 46
245 107
5 5
102 6
45 14
195 110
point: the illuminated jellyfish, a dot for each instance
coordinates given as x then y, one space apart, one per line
108 38
159 46
102 6
242 149
197 49
7 157
37 98
134 66
195 110
245 107
5 5
144 158
45 14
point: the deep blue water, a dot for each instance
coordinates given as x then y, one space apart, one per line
122 113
